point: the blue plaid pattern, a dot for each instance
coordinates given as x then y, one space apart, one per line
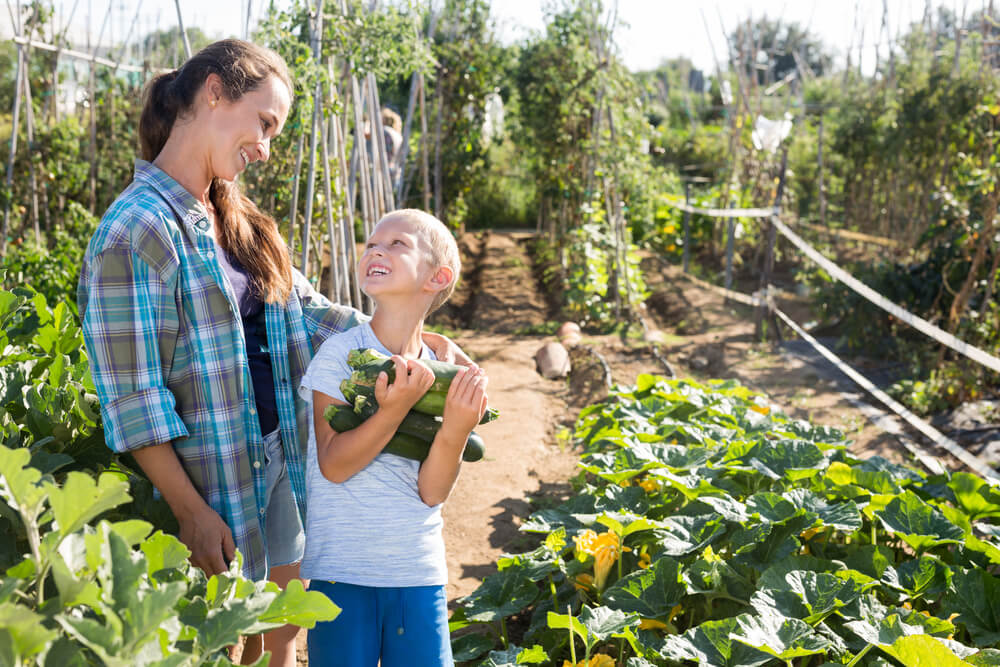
169 360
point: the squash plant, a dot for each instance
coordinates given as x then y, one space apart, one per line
711 529
114 594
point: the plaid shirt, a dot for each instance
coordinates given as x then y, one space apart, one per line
168 356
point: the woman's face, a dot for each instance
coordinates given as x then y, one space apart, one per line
240 131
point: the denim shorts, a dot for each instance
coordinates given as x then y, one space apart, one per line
284 537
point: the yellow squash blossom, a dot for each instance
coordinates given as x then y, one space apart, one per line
651 624
599 660
649 486
605 548
644 560
583 582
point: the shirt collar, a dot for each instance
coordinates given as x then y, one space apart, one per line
187 208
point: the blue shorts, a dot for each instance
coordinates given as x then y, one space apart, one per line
283 534
405 627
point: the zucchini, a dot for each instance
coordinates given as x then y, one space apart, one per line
412 440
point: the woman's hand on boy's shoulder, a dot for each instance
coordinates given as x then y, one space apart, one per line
413 379
445 349
465 404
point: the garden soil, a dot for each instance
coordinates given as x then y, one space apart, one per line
496 314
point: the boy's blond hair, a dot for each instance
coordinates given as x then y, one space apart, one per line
442 246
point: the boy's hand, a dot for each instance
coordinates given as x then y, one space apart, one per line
413 379
465 404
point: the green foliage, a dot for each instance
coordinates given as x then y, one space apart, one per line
733 535
95 592
48 408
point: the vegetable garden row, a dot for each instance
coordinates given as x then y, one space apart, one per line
709 528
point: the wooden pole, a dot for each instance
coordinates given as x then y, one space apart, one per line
294 208
317 28
376 140
8 202
416 84
347 221
424 147
383 162
184 35
29 121
765 276
333 292
687 225
730 243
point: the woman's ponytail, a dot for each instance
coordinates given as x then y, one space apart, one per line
159 111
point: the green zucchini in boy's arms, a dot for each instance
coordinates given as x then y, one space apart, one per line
413 438
367 365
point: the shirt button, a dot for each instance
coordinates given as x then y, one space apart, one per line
256 464
210 254
253 411
262 511
399 631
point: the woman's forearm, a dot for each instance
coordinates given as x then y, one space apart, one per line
164 470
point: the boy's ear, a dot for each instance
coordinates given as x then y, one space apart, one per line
440 279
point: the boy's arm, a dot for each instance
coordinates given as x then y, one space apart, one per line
464 407
342 455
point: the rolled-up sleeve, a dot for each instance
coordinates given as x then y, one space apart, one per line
130 326
322 317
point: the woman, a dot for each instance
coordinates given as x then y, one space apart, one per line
198 328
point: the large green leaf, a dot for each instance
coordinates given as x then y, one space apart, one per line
974 495
784 638
923 651
843 516
923 577
976 600
711 643
19 484
297 606
651 593
537 564
917 523
887 630
820 594
81 499
604 622
22 634
500 595
471 646
682 535
514 656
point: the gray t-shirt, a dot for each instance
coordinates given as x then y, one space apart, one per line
373 529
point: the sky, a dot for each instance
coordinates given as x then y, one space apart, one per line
650 30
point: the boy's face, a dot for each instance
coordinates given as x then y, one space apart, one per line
396 260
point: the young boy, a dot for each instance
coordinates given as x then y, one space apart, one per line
374 520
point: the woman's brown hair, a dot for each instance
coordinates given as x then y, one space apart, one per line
247 233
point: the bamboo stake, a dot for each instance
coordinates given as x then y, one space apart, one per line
383 162
374 154
349 220
416 81
29 120
361 154
295 193
335 266
438 203
317 28
425 146
13 152
180 26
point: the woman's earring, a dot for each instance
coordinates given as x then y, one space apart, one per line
212 104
